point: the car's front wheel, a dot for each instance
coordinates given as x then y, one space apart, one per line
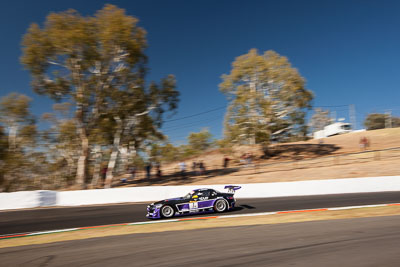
167 211
220 205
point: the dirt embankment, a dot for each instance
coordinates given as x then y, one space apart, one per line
309 160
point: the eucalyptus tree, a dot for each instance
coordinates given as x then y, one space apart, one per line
96 62
16 117
3 155
61 139
137 113
320 119
267 99
200 141
18 137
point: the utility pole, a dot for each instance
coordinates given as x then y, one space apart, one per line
352 115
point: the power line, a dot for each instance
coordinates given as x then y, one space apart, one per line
197 114
338 106
191 124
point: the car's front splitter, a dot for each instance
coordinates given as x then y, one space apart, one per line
156 213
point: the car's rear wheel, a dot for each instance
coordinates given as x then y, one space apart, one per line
220 205
167 211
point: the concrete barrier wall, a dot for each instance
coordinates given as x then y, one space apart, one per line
321 187
27 199
47 198
32 199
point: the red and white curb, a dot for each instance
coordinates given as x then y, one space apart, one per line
192 219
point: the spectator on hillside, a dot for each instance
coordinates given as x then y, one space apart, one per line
202 167
194 167
226 161
158 170
104 173
364 143
148 170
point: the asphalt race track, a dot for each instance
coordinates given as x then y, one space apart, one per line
350 242
21 221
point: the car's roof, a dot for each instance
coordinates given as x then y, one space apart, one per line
202 189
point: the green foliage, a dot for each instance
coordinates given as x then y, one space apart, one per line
170 153
267 98
376 121
186 151
200 141
14 108
225 146
167 152
17 138
3 154
15 116
98 64
320 119
197 143
3 144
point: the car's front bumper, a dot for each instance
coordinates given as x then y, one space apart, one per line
153 213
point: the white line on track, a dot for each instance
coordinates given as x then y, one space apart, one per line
195 218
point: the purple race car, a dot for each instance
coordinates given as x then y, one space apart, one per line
197 201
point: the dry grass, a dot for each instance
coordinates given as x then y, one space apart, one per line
311 162
199 224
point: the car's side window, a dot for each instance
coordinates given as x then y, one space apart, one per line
203 194
206 193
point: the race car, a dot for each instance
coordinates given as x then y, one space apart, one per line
197 201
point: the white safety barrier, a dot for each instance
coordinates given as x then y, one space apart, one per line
32 199
321 187
27 199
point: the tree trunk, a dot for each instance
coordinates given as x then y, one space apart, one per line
110 168
82 161
70 163
80 119
114 155
124 158
97 167
12 138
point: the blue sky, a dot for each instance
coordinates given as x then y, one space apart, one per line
348 51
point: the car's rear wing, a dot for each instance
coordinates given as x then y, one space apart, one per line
232 188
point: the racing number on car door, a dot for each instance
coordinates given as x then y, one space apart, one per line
193 206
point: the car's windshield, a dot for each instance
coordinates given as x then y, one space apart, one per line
189 195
